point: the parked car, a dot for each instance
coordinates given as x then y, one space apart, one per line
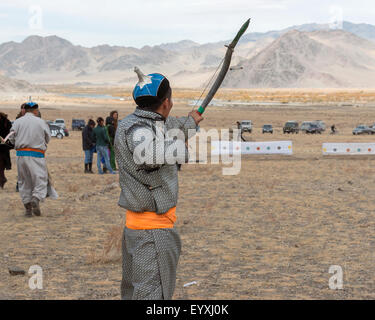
267 128
59 122
363 129
305 125
320 124
78 124
291 127
313 128
56 131
246 126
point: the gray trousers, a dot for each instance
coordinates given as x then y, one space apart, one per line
32 178
149 264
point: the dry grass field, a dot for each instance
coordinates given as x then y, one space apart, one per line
271 232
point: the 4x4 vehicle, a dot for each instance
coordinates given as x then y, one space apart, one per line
362 129
314 128
305 125
78 124
246 126
320 124
267 128
56 131
291 127
59 122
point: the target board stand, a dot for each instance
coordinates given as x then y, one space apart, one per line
359 149
260 148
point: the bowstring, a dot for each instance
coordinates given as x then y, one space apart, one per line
204 90
209 82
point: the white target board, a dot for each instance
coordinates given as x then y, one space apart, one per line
267 147
348 148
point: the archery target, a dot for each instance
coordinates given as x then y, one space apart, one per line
348 148
270 147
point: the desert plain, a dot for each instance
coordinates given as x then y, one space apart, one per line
270 232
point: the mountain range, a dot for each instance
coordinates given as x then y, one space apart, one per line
310 55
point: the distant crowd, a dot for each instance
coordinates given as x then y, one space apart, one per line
100 139
97 137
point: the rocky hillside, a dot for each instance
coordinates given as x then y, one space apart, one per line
310 59
309 55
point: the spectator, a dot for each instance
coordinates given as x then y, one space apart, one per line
88 145
114 116
111 131
333 129
22 111
5 162
102 142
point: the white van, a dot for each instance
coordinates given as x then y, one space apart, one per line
60 123
246 126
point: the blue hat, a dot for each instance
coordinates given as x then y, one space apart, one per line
150 89
149 86
31 105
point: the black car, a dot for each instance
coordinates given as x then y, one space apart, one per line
78 124
291 127
267 128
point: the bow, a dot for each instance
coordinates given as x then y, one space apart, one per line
224 69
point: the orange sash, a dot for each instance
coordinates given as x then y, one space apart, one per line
150 220
31 149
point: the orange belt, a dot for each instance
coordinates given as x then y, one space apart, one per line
150 220
31 149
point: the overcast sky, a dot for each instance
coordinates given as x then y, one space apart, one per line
149 22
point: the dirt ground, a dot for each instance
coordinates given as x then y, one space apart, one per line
271 232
